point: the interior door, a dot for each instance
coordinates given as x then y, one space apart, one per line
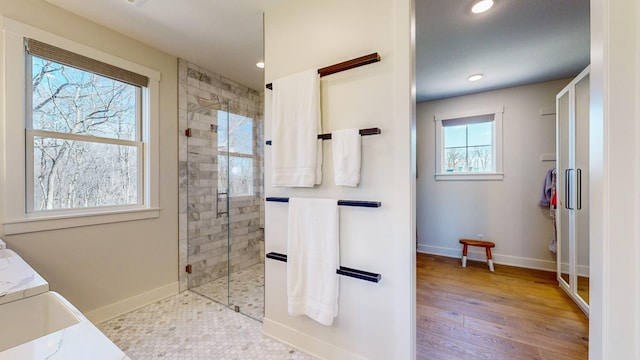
563 183
582 189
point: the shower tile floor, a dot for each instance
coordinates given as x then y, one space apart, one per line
189 326
246 290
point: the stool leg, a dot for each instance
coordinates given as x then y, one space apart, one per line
489 259
464 255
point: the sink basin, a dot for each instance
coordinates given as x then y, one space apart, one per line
33 317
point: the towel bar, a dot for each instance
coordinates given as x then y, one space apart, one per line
345 65
363 132
358 203
354 273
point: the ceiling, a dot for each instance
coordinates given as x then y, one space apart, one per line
224 36
516 42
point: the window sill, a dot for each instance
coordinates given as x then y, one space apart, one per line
44 223
469 177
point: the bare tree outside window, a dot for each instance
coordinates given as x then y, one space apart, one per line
480 158
235 154
85 131
455 158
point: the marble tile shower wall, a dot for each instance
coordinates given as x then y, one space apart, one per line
204 220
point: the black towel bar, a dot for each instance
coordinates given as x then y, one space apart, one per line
363 132
358 203
354 273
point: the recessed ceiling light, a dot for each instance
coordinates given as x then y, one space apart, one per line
260 64
482 6
475 77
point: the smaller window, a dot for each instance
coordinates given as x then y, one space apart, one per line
469 147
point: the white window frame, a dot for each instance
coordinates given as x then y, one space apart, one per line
15 217
497 174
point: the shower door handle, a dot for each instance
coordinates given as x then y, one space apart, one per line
218 212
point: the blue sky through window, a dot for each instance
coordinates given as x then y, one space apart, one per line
74 101
468 147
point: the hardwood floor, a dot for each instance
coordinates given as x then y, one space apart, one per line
513 313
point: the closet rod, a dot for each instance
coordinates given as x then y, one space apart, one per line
363 132
345 65
354 273
358 203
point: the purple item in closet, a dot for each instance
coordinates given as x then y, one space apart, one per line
547 188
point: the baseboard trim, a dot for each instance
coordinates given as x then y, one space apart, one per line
111 311
497 258
299 340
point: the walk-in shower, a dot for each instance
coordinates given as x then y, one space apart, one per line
222 239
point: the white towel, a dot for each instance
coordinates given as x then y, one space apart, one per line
296 151
312 259
346 156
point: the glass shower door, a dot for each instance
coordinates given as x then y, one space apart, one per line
207 205
224 206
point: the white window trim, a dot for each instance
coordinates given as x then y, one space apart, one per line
498 174
12 132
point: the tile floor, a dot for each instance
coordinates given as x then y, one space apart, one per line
189 326
246 290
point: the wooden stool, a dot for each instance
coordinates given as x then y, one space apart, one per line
487 245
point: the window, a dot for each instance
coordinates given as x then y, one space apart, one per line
83 137
469 147
235 154
86 126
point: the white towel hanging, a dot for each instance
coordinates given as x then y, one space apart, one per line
296 151
346 147
312 259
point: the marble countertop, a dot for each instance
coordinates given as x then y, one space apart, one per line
17 279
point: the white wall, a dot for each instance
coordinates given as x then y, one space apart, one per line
614 192
106 269
375 321
507 211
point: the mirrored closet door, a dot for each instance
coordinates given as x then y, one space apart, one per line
572 191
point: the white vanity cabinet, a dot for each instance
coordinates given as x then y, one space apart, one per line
572 188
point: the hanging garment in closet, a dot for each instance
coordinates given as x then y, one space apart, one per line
547 185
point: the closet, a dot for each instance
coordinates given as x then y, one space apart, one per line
572 189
